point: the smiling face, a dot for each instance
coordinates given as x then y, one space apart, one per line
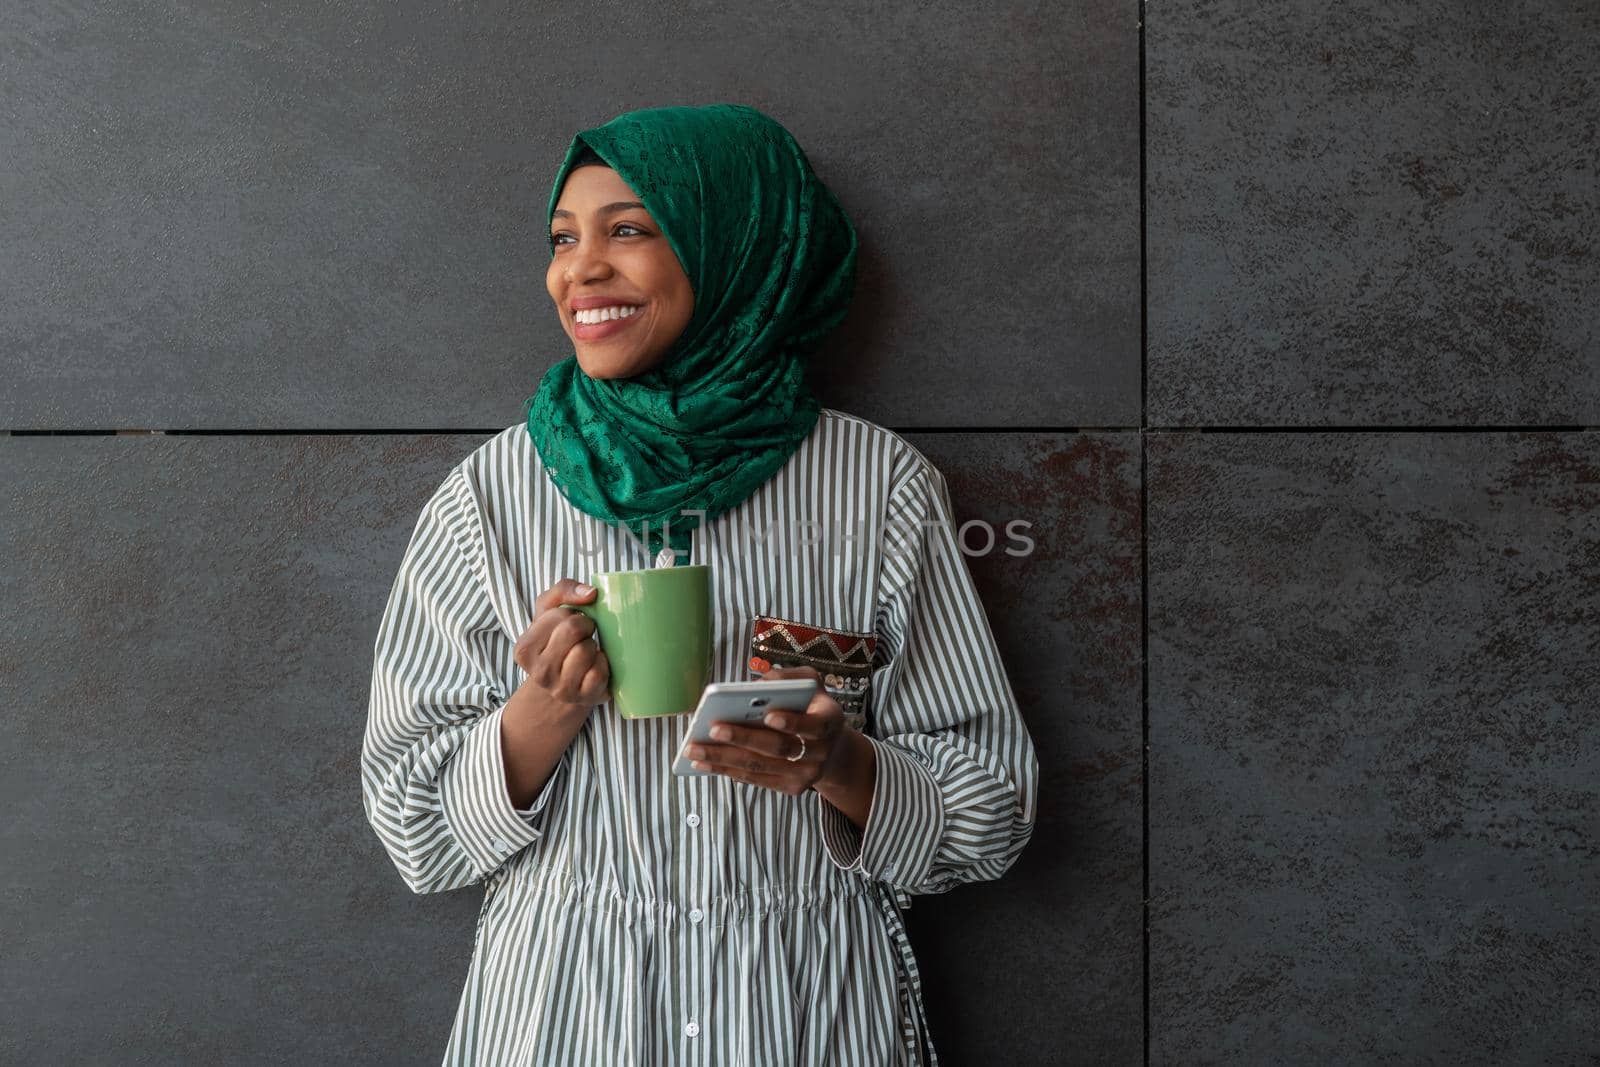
610 258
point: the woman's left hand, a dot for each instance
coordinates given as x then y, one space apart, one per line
760 755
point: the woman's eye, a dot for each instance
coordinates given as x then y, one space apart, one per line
555 238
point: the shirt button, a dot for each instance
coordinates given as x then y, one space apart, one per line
691 1029
696 915
501 847
888 870
692 819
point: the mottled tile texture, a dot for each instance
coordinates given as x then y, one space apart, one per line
1372 213
1374 670
1044 965
314 215
187 874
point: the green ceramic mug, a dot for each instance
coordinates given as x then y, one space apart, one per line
655 628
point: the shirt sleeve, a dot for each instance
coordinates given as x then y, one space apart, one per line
433 778
957 775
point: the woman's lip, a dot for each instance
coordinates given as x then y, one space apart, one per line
601 330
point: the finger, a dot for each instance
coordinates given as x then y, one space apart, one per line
742 759
815 720
552 636
755 739
565 591
567 630
537 635
574 666
547 664
824 718
782 783
597 680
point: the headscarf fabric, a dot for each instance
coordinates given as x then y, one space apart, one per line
771 256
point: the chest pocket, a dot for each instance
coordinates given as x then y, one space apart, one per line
842 657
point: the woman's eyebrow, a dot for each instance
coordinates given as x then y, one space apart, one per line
609 209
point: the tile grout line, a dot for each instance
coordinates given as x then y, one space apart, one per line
1144 563
1142 429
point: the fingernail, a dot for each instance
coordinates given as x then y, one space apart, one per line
583 589
721 733
774 720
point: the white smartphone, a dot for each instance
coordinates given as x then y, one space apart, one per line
744 703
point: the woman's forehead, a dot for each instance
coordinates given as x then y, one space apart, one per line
594 181
595 172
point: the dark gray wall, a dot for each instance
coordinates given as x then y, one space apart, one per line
1322 535
1374 650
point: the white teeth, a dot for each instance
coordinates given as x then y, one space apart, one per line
593 315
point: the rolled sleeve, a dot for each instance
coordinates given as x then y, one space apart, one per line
432 769
957 779
477 806
903 828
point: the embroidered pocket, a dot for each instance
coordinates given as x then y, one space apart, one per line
842 657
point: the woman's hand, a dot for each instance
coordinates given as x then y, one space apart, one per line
566 671
760 755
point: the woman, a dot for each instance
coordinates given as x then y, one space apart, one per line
751 915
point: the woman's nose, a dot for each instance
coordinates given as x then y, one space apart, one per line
587 260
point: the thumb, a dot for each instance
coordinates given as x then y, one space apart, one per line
566 591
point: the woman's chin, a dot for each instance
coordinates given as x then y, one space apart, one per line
599 368
592 363
605 369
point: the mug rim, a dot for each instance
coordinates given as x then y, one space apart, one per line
649 570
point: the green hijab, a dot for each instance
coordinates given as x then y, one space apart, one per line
771 258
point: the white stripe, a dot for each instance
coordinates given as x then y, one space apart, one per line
586 952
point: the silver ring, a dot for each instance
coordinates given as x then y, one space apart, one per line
796 759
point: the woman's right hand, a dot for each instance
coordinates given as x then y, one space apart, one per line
566 670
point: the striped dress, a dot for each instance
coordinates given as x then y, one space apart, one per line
636 917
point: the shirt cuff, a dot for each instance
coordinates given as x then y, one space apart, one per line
903 827
477 807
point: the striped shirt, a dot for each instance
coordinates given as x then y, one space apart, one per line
633 916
